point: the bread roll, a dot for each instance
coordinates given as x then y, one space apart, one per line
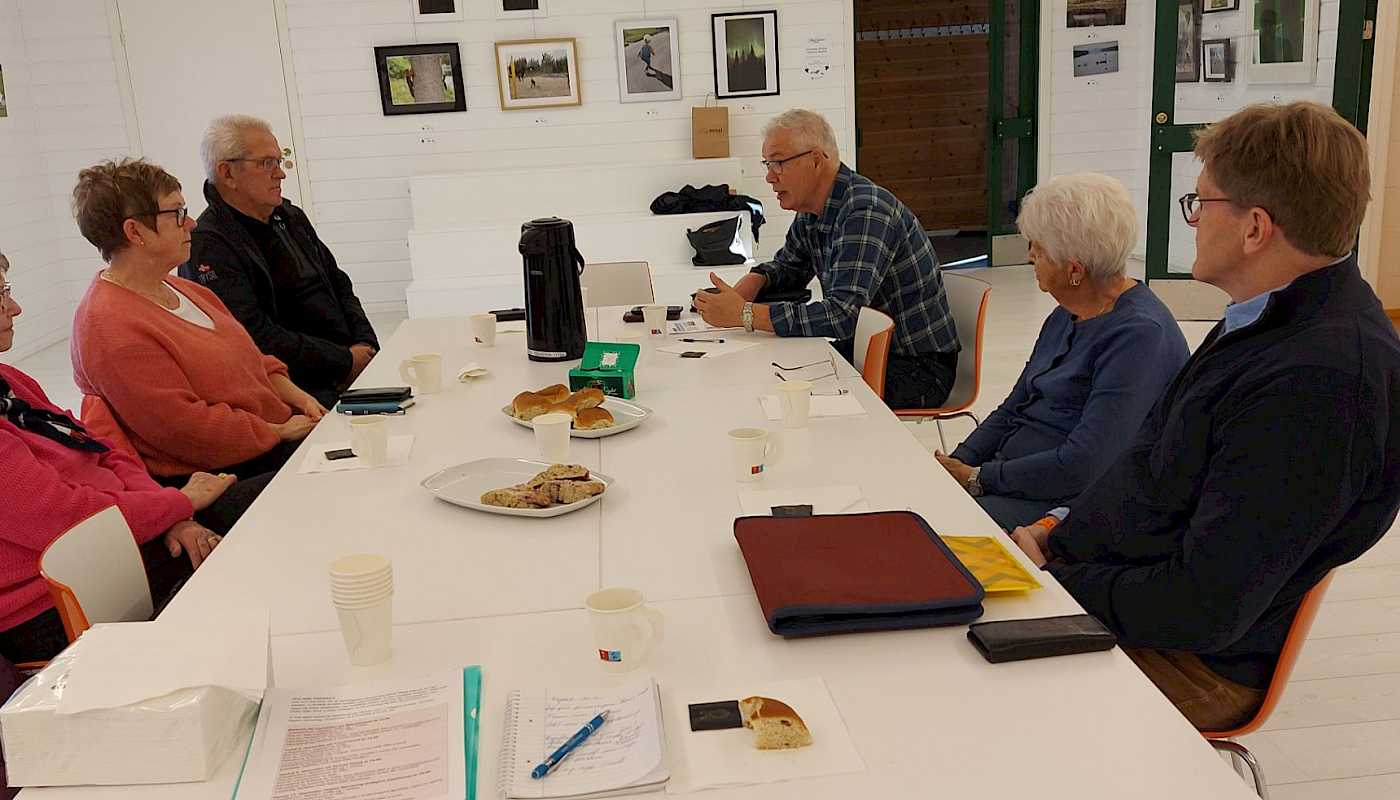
528 405
588 419
775 725
587 398
556 393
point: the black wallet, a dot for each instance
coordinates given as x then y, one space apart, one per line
1020 639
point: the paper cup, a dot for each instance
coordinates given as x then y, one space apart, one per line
552 436
424 371
654 317
625 631
796 400
358 564
367 630
751 452
484 329
369 438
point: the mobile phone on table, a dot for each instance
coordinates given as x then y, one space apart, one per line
634 314
337 455
356 409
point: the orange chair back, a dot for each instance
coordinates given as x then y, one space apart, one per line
963 293
877 357
1292 646
74 620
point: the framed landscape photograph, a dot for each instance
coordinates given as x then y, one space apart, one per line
520 9
537 73
647 60
1092 13
420 78
437 10
1218 60
1188 41
1221 5
745 53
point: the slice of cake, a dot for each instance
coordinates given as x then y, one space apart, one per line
775 725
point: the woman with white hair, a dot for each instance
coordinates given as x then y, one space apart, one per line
1102 359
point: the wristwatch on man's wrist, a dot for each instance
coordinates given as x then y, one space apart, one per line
748 317
974 482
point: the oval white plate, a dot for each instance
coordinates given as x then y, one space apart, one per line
464 484
626 416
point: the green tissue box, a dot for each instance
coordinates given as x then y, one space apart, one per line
608 366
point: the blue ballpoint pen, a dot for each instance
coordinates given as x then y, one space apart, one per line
568 747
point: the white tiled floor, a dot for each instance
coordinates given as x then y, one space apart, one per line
1336 735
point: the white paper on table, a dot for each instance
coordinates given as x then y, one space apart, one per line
710 349
842 405
404 738
127 662
822 499
681 327
710 759
400 447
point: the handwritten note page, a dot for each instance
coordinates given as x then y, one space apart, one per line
626 749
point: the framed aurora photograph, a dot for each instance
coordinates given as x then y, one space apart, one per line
745 53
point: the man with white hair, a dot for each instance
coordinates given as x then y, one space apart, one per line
864 246
262 256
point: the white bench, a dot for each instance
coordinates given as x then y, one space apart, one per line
466 228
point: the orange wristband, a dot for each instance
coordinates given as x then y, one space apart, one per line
1047 522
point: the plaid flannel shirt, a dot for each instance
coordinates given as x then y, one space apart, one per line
867 249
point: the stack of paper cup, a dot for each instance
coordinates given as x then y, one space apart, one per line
362 589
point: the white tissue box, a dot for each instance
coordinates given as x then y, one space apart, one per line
181 736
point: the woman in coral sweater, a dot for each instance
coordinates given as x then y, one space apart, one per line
55 477
160 359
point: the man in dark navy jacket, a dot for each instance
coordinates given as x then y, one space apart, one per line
1274 457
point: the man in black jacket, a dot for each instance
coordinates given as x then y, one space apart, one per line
261 255
1274 457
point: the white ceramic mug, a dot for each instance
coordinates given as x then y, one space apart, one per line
796 400
654 317
424 371
369 438
625 631
751 451
552 436
484 329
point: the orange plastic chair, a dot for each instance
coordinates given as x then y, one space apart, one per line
967 301
94 573
874 332
1292 646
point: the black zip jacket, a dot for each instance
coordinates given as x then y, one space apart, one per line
311 333
1272 458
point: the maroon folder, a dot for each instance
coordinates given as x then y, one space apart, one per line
840 573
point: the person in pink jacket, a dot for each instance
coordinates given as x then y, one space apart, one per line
55 476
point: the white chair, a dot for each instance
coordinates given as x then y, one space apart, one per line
967 301
617 283
95 574
874 331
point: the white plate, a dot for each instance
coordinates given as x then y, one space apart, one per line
464 484
626 416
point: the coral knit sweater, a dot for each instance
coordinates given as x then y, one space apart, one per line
48 488
188 398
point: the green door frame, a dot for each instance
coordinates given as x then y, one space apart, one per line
1351 94
1017 132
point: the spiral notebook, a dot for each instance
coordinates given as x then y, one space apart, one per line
626 756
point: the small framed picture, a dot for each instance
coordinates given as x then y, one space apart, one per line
520 9
436 10
1188 41
647 60
537 73
1218 60
1220 5
745 53
420 78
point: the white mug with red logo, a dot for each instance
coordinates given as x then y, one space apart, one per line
625 631
751 452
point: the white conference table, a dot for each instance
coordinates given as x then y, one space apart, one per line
923 709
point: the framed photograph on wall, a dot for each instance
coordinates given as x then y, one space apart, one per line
1095 58
1188 41
4 108
1284 36
1218 60
437 10
420 78
537 73
1213 6
1092 13
745 53
520 9
648 60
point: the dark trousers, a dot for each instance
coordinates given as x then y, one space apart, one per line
921 381
42 638
253 475
1013 512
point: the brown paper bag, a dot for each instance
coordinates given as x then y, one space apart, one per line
709 132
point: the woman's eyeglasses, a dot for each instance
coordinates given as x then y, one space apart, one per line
181 214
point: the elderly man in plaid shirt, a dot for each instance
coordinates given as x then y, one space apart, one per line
866 248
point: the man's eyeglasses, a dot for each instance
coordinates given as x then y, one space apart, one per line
267 164
776 167
1191 204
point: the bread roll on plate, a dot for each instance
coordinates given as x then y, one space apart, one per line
588 419
528 405
555 393
775 725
